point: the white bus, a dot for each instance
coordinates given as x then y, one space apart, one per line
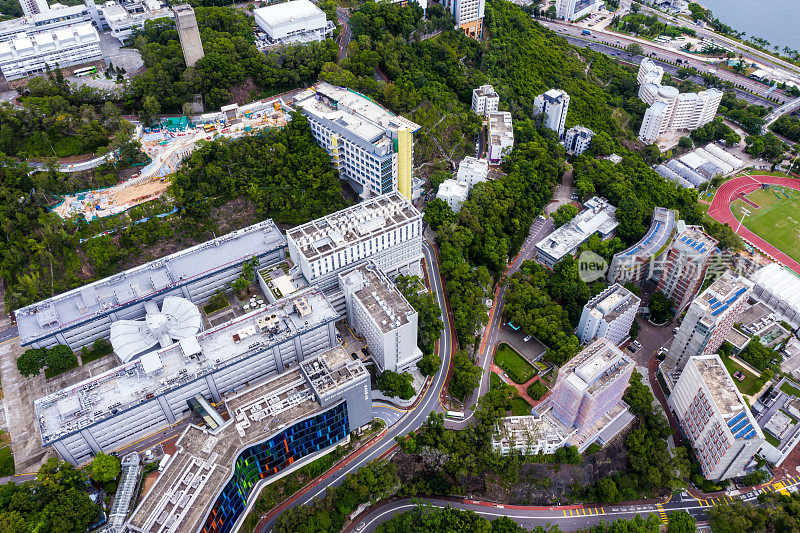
454 415
85 71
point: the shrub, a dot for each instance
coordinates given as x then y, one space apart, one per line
396 385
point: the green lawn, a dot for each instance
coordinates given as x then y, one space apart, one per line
751 384
777 221
772 440
788 389
536 390
519 407
514 364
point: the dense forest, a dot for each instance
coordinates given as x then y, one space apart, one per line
54 501
56 120
788 126
231 59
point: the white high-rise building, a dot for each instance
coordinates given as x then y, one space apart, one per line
590 384
708 320
574 9
670 110
500 137
468 15
649 72
554 103
386 229
485 100
577 139
609 315
379 312
33 7
715 418
371 147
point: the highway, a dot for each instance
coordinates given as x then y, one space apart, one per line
601 39
568 518
761 57
408 421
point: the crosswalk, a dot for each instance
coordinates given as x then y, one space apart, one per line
715 501
662 514
584 511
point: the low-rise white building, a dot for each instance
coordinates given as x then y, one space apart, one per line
65 47
501 136
472 171
779 288
577 139
379 312
715 418
454 193
598 217
297 21
530 435
609 315
485 100
123 19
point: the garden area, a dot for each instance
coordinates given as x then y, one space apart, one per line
537 390
519 407
747 382
517 368
6 458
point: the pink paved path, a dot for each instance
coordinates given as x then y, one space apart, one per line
736 188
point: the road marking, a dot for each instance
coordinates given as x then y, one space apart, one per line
662 513
9 340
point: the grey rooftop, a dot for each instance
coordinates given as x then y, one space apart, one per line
347 227
102 297
155 373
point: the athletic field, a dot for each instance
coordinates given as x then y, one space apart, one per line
777 218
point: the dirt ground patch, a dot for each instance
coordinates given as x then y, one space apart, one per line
538 484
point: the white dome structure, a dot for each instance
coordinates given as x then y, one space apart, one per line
179 319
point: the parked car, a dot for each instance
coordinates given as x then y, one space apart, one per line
526 339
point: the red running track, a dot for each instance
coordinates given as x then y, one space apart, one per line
737 188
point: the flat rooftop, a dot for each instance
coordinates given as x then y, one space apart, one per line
516 430
111 393
725 291
599 216
201 467
695 241
342 229
613 302
384 302
353 111
485 90
596 366
289 12
720 384
501 127
142 282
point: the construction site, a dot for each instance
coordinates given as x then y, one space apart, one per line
167 145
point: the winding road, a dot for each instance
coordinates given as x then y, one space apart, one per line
568 518
409 420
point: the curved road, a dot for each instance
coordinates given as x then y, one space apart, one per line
568 518
735 188
409 420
